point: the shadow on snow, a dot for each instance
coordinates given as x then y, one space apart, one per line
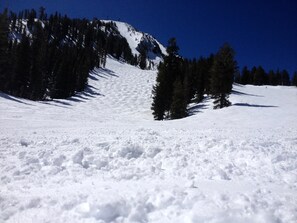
254 105
241 93
196 108
13 98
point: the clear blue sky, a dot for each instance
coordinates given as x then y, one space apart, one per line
262 32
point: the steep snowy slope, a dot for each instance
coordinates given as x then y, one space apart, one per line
100 157
137 39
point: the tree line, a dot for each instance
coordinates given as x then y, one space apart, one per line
258 76
50 56
182 81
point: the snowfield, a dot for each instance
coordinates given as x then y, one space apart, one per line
100 157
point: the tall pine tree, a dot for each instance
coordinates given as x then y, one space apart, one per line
222 76
4 60
178 108
168 71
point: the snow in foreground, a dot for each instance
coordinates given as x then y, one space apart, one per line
99 156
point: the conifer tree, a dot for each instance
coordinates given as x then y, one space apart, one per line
168 71
259 76
222 76
142 58
278 77
285 78
245 76
4 69
20 82
179 101
294 79
271 78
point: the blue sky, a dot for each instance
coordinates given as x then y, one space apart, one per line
262 32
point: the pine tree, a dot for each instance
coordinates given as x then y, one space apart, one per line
278 78
245 76
285 78
222 77
294 79
158 102
271 78
259 76
237 78
37 77
168 71
179 101
23 68
4 69
142 58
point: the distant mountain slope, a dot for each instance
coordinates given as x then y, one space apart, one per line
137 39
51 56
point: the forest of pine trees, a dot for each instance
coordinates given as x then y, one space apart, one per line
50 56
181 81
258 76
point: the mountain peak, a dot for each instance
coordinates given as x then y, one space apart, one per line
137 40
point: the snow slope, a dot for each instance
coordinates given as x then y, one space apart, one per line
100 157
136 38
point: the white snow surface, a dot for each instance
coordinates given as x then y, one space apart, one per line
100 157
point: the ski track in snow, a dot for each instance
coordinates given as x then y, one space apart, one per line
99 156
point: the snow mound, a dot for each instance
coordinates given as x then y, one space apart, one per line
100 157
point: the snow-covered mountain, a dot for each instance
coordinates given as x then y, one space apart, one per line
100 157
137 39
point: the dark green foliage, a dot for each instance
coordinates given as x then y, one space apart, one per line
294 79
222 76
178 108
271 78
4 50
285 78
142 58
179 82
167 74
54 61
245 76
258 76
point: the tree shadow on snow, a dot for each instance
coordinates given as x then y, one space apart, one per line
196 108
12 98
254 105
102 73
56 103
241 93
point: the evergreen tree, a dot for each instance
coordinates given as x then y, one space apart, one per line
158 105
142 58
271 78
167 74
37 77
20 82
259 76
245 76
222 77
179 101
201 70
294 79
285 78
4 68
278 77
237 78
